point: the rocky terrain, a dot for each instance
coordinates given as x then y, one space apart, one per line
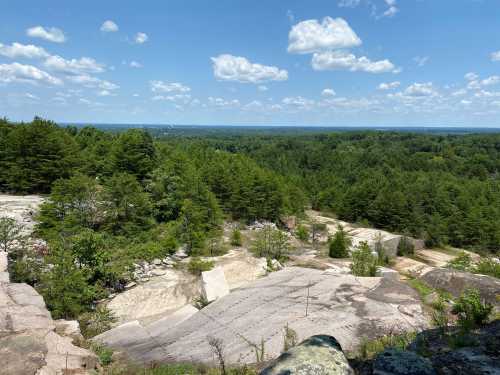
30 341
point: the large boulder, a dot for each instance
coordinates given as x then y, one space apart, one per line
455 282
214 284
401 362
318 355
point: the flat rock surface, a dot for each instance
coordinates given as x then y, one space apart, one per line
346 307
22 208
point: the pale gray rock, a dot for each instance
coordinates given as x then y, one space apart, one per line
214 284
318 355
69 328
344 306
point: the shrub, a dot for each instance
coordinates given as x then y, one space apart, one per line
290 338
462 262
370 348
339 244
440 314
196 266
302 233
96 322
105 354
364 263
236 239
488 266
271 243
471 310
405 246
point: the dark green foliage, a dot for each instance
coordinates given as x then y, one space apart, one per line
405 247
364 263
34 155
488 266
196 266
339 244
463 262
471 310
236 239
302 233
271 243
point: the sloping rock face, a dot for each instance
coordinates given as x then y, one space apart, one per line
318 355
340 305
28 342
455 282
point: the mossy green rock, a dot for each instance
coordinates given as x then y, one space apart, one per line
318 355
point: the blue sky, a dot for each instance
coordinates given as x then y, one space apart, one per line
274 62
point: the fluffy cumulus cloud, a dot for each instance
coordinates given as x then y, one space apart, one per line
328 92
338 60
420 90
92 82
16 72
495 56
239 69
135 64
348 3
262 88
73 66
493 80
312 36
298 102
26 51
389 85
223 103
109 27
141 38
160 86
52 34
471 76
391 10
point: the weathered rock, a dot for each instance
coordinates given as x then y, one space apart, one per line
456 282
466 361
3 261
157 262
214 284
401 362
156 297
344 306
389 273
69 328
318 355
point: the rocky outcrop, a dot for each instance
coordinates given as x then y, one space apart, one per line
29 343
455 282
401 362
214 284
318 355
310 301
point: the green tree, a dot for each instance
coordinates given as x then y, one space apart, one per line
236 239
302 233
340 243
472 312
364 263
10 234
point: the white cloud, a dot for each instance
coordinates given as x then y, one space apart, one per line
420 90
459 92
73 66
391 10
311 36
495 56
109 27
105 93
31 96
223 103
141 38
135 64
471 76
92 82
421 60
328 92
51 34
465 102
254 105
27 51
234 68
493 80
338 60
348 3
389 85
298 102
262 88
160 86
177 98
16 72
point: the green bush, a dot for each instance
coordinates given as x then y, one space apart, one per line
339 244
104 353
196 266
370 348
302 233
364 263
488 266
236 239
96 322
271 243
405 246
472 312
463 262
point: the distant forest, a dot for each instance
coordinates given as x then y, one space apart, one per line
443 188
